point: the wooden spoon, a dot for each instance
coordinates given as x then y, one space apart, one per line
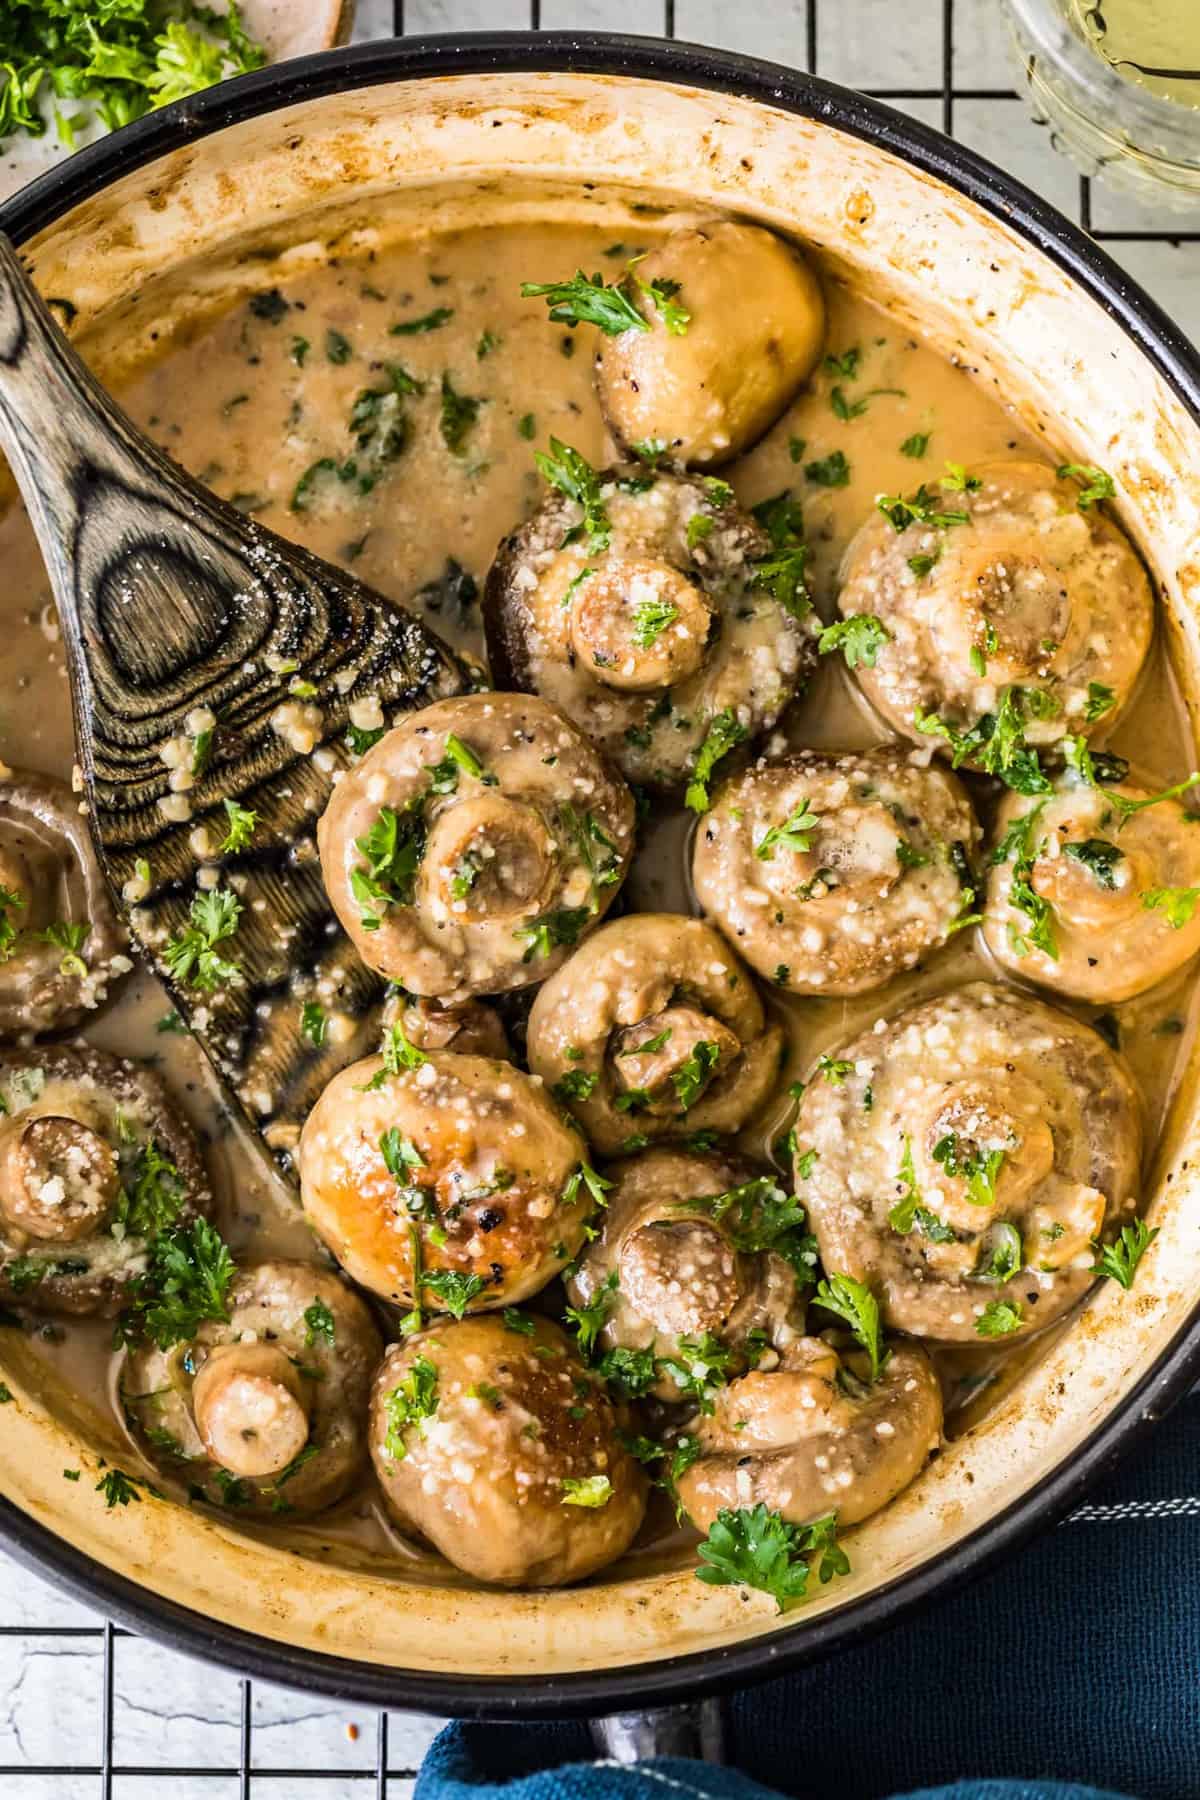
173 603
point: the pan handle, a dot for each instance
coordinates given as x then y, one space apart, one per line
694 1730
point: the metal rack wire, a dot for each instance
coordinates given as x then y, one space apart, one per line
77 1713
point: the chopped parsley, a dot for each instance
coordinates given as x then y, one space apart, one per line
318 1323
554 929
585 300
119 1488
458 416
854 1303
455 1290
240 827
313 1023
921 508
1178 903
695 1072
723 735
1094 484
565 469
978 1168
589 1320
412 1401
651 618
152 1192
187 1282
756 1548
430 321
576 1084
795 833
69 936
916 445
192 956
392 852
1099 858
832 471
860 637
996 742
1101 699
586 1490
999 1318
1119 1260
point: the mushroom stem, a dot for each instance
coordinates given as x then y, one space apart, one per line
252 1408
489 858
58 1178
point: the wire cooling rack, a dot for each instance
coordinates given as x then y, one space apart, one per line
91 1712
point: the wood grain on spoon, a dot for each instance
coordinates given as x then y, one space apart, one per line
176 611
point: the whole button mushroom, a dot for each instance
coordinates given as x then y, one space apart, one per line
654 1029
965 1159
447 1184
493 1442
694 1248
733 320
655 613
61 943
474 844
815 1435
832 873
265 1409
95 1162
1008 614
1093 889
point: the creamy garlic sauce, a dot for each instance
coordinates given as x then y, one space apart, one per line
264 403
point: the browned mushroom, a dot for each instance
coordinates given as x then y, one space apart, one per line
658 620
694 1246
95 1159
61 943
468 1027
705 379
452 1183
1010 616
265 1410
474 844
654 1029
815 1436
1001 1141
1094 889
831 873
492 1441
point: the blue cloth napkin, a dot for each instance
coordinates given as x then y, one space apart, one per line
1076 1663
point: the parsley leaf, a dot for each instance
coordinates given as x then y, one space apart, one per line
756 1548
1099 858
1119 1260
850 1300
318 1322
413 1400
1094 484
795 833
240 828
585 300
586 1490
187 1282
455 1290
459 413
650 620
192 955
978 1168
860 637
723 735
565 469
1178 903
999 1318
693 1074
554 929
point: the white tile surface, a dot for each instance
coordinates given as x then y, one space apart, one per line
168 1710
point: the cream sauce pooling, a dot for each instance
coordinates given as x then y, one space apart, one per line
424 369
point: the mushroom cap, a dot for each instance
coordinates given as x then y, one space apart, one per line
295 1333
1045 597
481 1477
667 981
868 889
981 1073
81 1184
483 1182
501 866
1110 882
50 878
755 328
678 1272
646 642
804 1444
